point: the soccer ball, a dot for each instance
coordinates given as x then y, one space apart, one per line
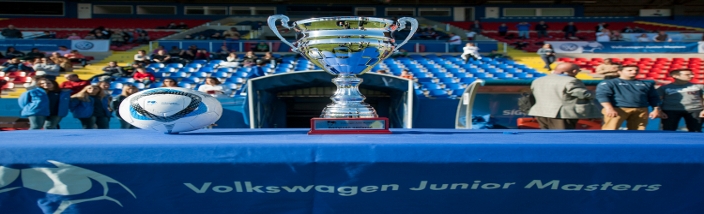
170 110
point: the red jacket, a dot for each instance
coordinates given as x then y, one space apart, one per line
140 76
75 86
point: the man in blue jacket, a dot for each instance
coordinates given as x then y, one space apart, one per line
628 99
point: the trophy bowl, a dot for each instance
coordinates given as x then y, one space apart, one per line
345 46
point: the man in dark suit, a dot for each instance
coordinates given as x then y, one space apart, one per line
570 30
561 99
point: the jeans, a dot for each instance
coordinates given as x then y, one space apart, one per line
548 59
568 34
95 122
542 33
125 125
524 34
691 120
46 122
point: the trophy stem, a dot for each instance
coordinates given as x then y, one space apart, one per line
348 102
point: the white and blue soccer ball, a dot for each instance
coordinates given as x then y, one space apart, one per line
170 110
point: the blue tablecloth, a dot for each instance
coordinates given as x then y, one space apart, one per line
410 171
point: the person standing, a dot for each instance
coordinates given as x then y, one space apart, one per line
542 29
561 99
609 69
523 30
682 99
45 105
570 30
547 54
455 41
127 90
90 106
628 99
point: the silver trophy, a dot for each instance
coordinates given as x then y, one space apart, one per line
345 46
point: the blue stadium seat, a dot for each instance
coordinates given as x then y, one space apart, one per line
228 70
206 69
180 75
124 80
115 85
431 86
139 85
188 69
200 74
174 65
237 80
200 61
439 93
155 65
115 92
185 85
156 84
220 75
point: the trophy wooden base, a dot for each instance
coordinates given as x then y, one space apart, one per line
379 125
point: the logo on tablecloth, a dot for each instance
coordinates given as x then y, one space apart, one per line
64 180
569 47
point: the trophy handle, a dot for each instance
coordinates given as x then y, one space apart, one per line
284 22
402 25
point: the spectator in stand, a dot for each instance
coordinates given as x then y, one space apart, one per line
46 68
73 36
627 29
142 38
74 56
161 57
169 82
429 34
476 27
117 39
232 32
401 53
470 35
503 29
161 47
268 58
143 76
616 36
542 29
15 64
523 30
637 29
63 62
12 33
250 55
189 54
262 47
216 36
112 70
382 71
63 51
600 27
405 74
609 69
603 36
104 86
47 35
213 87
90 37
455 41
101 35
662 37
172 25
561 99
11 52
570 30
202 54
628 99
34 54
175 52
127 90
90 106
126 35
470 51
74 83
643 38
547 54
222 54
682 99
232 60
45 105
141 58
182 25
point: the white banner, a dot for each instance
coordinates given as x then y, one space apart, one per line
655 12
701 47
91 45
